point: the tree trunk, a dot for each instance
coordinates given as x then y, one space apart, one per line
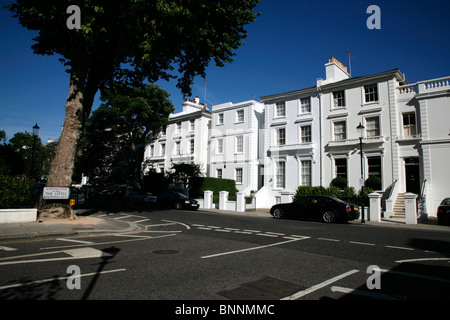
61 169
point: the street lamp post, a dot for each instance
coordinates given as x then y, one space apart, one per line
360 130
35 134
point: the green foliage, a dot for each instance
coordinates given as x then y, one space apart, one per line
180 173
112 146
134 40
373 182
348 194
198 185
339 182
16 192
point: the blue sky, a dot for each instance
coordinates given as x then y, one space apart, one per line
286 50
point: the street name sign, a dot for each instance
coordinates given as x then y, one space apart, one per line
56 193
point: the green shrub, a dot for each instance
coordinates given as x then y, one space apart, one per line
16 193
348 194
339 182
373 182
198 185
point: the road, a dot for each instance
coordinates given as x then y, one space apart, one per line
195 255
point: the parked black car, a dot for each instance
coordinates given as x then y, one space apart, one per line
443 212
321 208
177 200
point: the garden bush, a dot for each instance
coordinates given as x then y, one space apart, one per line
16 193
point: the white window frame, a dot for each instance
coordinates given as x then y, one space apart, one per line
306 178
305 105
220 146
368 93
192 125
240 116
334 130
280 140
163 149
219 173
220 118
239 144
375 131
239 178
280 175
178 128
408 128
280 110
339 97
302 136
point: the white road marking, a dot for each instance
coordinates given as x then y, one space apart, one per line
16 285
75 240
400 248
327 239
160 225
83 253
422 259
110 242
7 248
316 287
362 243
139 221
267 235
176 222
253 248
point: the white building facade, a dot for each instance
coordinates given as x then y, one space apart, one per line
236 148
184 139
309 137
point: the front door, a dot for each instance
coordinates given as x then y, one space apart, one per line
412 175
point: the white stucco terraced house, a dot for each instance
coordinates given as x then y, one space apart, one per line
184 139
236 148
309 137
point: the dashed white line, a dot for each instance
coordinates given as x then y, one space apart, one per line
400 248
320 285
253 248
362 243
327 239
267 235
75 240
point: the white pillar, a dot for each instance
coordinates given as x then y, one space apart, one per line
223 197
207 199
286 196
410 208
375 207
240 202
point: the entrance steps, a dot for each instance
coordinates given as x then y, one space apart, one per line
399 207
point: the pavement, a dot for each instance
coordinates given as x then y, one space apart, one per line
84 225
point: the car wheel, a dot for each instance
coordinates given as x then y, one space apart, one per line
328 216
278 213
178 206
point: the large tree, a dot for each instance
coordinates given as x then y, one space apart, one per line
129 41
112 147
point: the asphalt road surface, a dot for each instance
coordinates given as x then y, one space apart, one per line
204 256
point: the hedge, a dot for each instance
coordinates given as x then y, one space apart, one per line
16 192
198 185
348 194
